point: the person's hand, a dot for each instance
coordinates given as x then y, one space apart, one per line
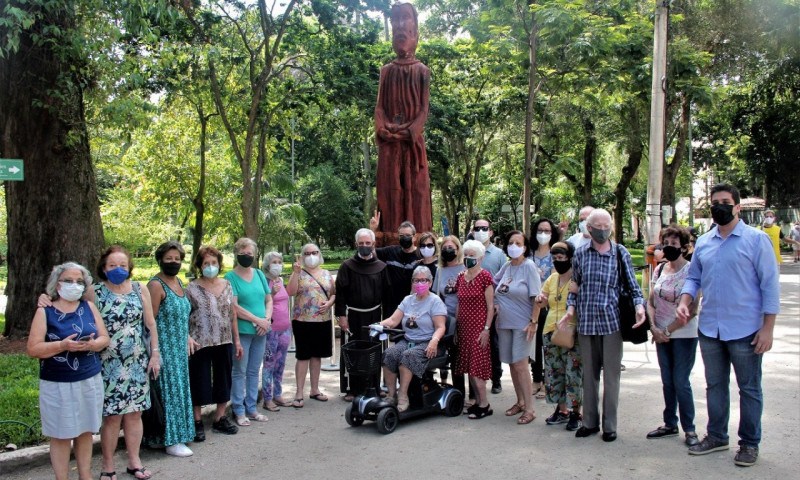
71 345
683 313
562 324
563 226
432 349
375 221
154 365
325 307
658 335
193 346
296 267
239 350
44 301
541 300
640 316
530 331
343 324
762 341
483 339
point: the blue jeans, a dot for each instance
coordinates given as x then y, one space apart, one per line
718 356
244 388
676 359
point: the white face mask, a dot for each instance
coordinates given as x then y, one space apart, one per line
275 269
514 251
70 292
481 236
543 238
769 220
582 226
427 252
312 261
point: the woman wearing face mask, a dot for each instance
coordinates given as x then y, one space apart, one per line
676 340
213 342
314 295
252 301
66 336
475 291
563 372
451 263
518 285
429 251
171 310
546 234
278 338
794 235
422 317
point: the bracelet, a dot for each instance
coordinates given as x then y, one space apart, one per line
155 349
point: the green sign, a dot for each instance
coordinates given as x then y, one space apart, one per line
11 169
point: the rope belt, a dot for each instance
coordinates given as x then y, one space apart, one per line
364 310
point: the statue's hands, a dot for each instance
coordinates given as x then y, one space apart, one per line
385 134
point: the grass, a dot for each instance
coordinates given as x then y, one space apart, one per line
20 423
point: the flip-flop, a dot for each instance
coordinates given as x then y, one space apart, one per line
107 474
272 408
140 470
320 397
258 417
281 402
298 403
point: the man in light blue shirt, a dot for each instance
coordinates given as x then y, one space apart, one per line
735 267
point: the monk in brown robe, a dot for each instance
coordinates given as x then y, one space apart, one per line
403 184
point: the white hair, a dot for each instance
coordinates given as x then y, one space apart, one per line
52 283
365 231
474 246
587 210
598 214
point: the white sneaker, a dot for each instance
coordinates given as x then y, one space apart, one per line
179 450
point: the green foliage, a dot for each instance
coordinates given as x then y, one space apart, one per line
19 401
333 215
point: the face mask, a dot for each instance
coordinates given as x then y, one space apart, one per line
364 251
244 260
671 253
470 262
481 236
600 236
769 220
117 275
449 254
311 261
70 292
210 271
420 288
722 214
406 242
275 269
582 226
543 238
514 251
171 269
427 252
562 266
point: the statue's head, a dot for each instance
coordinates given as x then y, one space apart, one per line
405 31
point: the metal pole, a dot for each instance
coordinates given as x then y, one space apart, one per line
292 347
333 366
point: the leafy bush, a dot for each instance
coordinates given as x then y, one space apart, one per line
19 401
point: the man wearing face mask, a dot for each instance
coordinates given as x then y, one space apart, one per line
401 260
773 230
596 272
734 267
493 261
363 288
582 237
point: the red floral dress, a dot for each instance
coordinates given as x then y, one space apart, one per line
472 359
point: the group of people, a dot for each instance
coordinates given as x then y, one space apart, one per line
104 345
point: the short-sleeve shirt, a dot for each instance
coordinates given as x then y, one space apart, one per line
444 285
516 287
493 259
556 301
210 317
418 316
545 266
667 296
251 296
310 297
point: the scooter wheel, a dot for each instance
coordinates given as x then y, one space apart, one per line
388 418
352 420
455 404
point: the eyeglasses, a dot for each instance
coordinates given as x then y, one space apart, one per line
308 254
429 245
544 231
481 229
420 280
79 282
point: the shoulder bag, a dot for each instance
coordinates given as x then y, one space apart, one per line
627 309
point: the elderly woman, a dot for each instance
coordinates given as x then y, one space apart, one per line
126 310
563 372
252 301
213 342
423 318
314 295
171 310
66 337
475 292
279 338
675 339
444 285
429 251
518 285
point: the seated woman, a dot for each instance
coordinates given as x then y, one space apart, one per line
422 317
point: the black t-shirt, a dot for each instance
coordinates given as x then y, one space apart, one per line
401 267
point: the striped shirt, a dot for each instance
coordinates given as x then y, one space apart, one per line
597 300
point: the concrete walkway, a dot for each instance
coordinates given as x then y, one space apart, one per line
315 441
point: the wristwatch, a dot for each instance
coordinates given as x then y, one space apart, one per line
666 331
486 327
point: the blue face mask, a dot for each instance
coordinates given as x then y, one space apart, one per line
210 271
117 275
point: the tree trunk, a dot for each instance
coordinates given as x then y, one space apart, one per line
635 149
54 213
526 185
199 200
589 151
672 169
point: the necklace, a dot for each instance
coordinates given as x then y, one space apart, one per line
560 288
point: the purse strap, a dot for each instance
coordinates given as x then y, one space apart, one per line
318 283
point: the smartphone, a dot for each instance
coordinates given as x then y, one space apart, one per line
85 338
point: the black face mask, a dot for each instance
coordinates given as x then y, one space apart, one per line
671 253
562 266
470 262
171 269
449 254
244 260
364 251
722 213
406 242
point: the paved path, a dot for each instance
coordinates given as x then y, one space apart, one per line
316 443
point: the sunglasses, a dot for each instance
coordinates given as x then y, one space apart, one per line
481 229
429 245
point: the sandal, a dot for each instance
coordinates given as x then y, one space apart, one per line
242 421
107 474
402 404
271 406
471 409
298 403
539 391
258 417
348 398
136 472
526 418
481 412
281 402
515 410
320 397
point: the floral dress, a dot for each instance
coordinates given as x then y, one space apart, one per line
124 361
472 359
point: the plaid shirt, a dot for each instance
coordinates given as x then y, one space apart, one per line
598 280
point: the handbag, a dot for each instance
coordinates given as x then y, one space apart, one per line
627 309
564 338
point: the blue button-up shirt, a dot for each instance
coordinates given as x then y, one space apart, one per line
598 279
739 279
